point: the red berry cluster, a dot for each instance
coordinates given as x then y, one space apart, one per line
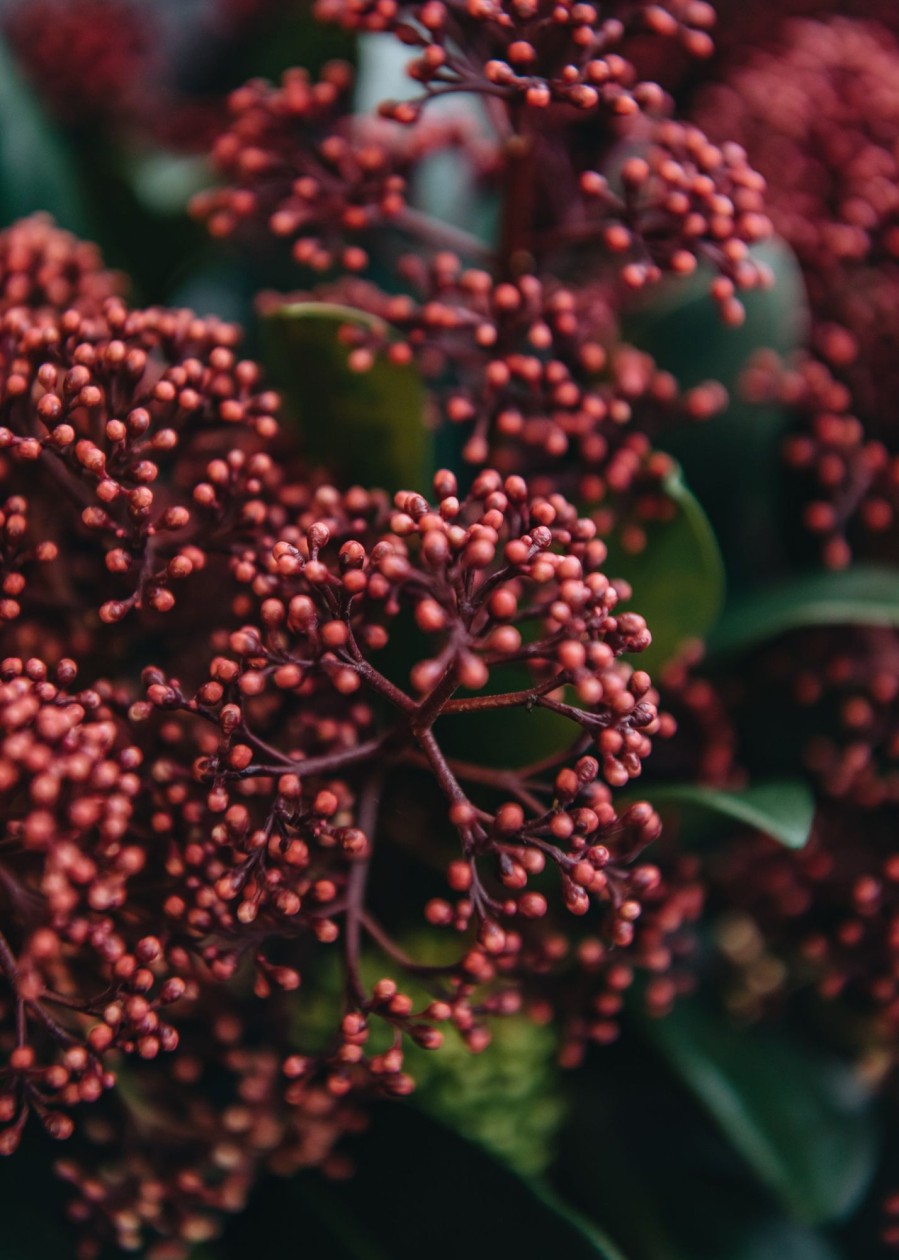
848 478
171 854
528 52
533 369
828 913
300 164
818 115
43 266
88 57
847 681
497 584
132 449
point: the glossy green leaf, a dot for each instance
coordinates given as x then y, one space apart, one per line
419 1190
864 595
371 425
802 1121
677 579
783 810
36 171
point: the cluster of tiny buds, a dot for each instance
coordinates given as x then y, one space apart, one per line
301 167
67 787
119 413
684 201
824 915
852 478
529 53
86 57
532 367
818 118
44 267
497 583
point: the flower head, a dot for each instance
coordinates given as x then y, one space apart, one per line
132 451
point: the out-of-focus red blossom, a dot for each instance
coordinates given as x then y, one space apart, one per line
849 477
212 1118
703 745
818 115
819 118
305 169
43 267
299 165
89 59
825 915
125 66
766 24
844 683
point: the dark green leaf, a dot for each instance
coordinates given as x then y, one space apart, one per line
508 1099
783 810
682 328
781 1239
33 1203
864 595
419 1189
677 579
801 1120
641 1156
371 424
36 172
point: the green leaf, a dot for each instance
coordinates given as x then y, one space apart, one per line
681 326
783 810
781 1239
864 595
507 1099
677 579
36 172
419 1189
643 1157
733 463
372 424
802 1121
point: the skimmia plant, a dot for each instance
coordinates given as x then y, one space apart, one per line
373 722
